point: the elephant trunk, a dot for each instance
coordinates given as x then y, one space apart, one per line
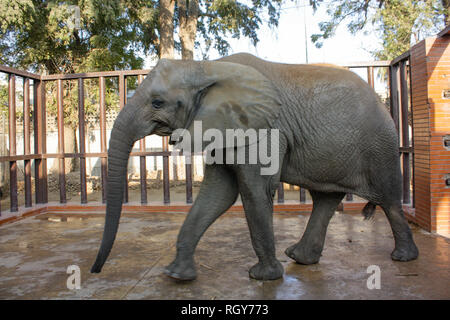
123 135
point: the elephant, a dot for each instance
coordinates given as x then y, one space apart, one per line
335 137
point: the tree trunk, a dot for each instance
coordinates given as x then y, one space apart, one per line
188 12
166 42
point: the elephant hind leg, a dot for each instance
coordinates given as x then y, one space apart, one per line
309 249
405 248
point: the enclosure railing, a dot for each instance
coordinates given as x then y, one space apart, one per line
398 79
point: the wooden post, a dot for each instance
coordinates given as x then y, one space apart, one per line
122 103
405 132
82 140
102 110
12 144
26 141
142 164
61 168
166 182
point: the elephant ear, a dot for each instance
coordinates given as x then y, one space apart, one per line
234 96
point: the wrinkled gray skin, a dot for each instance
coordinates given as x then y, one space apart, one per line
335 138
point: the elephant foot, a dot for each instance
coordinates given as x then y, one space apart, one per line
302 255
181 270
405 253
266 271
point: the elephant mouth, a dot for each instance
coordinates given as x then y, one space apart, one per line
162 129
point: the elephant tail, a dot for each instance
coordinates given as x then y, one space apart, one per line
369 210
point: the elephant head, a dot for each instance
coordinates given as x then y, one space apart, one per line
222 95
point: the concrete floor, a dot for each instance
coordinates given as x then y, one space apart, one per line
35 253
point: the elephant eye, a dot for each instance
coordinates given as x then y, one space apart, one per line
157 103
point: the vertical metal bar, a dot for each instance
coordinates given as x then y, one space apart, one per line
166 182
142 165
405 132
302 195
40 165
12 143
103 136
61 167
122 102
82 139
280 193
188 167
26 140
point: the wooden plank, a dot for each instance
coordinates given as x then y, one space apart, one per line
302 195
166 182
101 74
370 77
78 155
444 32
20 73
61 167
142 164
394 96
404 103
26 141
122 103
188 170
365 64
37 140
12 143
401 57
280 193
102 111
82 140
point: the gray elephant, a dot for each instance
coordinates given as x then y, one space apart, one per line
335 137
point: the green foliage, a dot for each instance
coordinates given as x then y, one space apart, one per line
399 23
46 36
3 98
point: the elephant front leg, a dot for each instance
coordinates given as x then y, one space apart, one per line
217 194
257 196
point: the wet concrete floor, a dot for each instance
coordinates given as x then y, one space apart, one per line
36 252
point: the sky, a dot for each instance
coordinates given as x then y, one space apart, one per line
286 43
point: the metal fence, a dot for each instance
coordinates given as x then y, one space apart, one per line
34 89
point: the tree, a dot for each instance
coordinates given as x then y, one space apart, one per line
400 23
212 21
166 26
50 36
